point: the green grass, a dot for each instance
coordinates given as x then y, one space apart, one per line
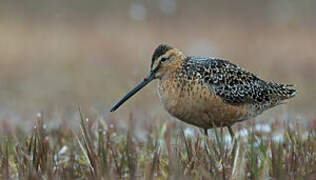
101 149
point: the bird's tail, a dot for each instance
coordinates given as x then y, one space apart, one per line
283 91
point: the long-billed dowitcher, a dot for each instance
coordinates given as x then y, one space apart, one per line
209 92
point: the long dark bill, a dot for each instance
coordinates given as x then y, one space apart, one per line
142 84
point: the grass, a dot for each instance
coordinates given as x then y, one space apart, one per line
99 149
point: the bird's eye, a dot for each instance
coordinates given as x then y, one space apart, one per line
163 59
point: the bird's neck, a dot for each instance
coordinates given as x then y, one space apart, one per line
172 71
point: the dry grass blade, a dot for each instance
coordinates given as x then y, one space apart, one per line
155 160
88 145
187 146
235 160
211 156
5 162
116 162
102 151
84 153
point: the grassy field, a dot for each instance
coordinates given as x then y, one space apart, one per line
281 150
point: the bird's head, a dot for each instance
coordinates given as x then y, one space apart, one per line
164 61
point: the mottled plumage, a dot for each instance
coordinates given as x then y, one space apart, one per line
209 92
233 84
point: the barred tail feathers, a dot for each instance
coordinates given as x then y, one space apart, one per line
283 91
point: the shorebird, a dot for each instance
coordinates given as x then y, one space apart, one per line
209 92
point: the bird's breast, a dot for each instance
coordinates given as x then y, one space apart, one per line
196 104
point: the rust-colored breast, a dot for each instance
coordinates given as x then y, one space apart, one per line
196 104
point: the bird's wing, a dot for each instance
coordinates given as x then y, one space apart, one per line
231 83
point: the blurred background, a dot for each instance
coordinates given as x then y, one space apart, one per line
56 55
